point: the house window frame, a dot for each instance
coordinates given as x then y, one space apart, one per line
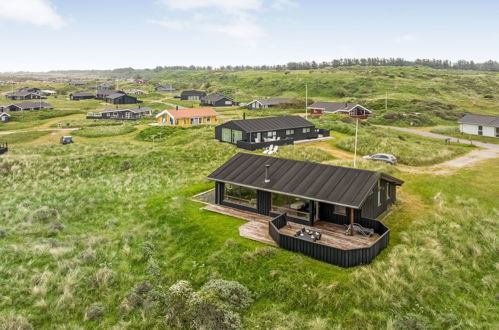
379 192
480 130
306 130
290 132
497 131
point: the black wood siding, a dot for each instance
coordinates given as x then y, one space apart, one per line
263 202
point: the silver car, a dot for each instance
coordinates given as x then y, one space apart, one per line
387 158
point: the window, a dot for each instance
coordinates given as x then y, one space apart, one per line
195 121
290 131
306 130
497 131
379 193
480 130
387 187
208 119
341 210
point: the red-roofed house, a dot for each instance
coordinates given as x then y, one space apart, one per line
187 117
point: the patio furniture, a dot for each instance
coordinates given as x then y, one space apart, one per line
359 229
310 235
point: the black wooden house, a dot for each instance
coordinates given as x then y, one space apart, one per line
257 133
121 98
76 96
217 100
192 95
311 194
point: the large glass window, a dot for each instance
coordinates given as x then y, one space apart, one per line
290 131
292 206
240 195
306 130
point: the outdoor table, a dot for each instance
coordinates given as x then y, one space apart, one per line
303 234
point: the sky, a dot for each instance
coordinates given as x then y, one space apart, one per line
43 35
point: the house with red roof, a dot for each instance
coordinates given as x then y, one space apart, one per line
187 117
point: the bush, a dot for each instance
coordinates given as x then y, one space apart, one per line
94 312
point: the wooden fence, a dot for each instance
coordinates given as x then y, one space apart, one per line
332 255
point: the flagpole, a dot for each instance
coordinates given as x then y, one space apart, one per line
306 101
355 147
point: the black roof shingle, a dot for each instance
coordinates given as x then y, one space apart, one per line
331 184
271 123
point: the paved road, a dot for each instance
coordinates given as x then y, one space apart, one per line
442 137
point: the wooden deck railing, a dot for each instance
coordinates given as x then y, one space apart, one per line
329 254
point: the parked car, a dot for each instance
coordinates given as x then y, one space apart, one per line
66 139
387 158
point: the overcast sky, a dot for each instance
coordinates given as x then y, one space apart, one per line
41 35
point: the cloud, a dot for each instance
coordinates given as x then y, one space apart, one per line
37 12
235 19
282 4
404 38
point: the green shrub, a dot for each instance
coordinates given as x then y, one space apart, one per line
22 137
158 133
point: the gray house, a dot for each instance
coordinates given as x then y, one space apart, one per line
192 95
28 106
217 100
23 95
121 98
319 108
479 125
81 96
121 114
4 117
252 134
266 103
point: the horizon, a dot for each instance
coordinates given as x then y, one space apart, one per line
76 36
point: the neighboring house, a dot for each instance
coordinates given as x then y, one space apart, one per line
141 81
252 134
266 103
29 89
81 96
23 95
28 106
102 94
135 91
187 117
121 98
77 83
4 117
217 100
192 95
104 86
322 197
319 108
164 88
47 92
121 114
479 125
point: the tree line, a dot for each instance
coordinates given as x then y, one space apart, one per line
345 62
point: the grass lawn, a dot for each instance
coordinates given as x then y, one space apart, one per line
104 131
22 137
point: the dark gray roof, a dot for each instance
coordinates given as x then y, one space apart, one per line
108 92
332 184
30 105
491 121
116 95
271 123
193 93
272 101
21 93
82 94
332 106
134 110
215 97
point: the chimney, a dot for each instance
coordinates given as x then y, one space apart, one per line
267 174
244 115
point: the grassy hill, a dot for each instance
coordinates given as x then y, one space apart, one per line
104 234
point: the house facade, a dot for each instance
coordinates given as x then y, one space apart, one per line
192 95
266 103
319 108
322 197
4 117
121 114
252 134
121 98
479 125
187 117
23 95
81 96
217 100
26 106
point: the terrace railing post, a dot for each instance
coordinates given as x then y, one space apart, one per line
352 220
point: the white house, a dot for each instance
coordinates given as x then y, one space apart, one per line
479 125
